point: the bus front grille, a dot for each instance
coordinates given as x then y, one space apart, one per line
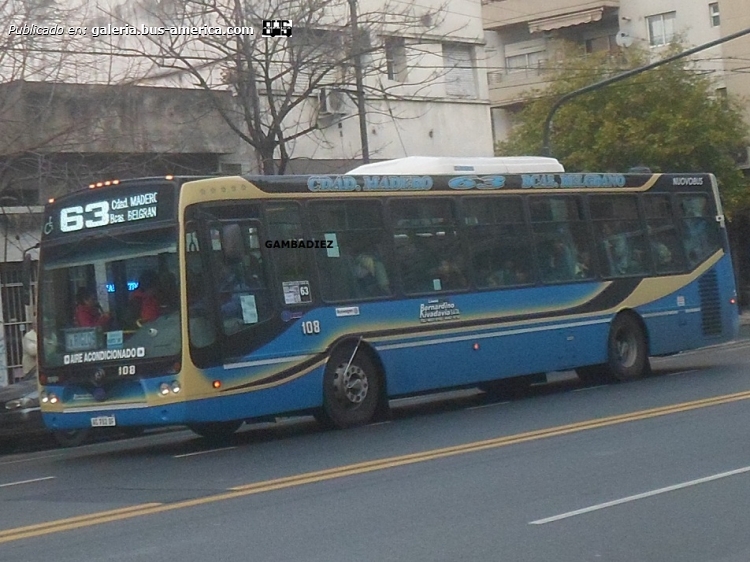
708 286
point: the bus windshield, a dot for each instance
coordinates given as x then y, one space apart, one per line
116 299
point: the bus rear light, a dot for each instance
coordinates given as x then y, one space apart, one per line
733 301
217 384
169 177
475 347
52 398
176 387
51 200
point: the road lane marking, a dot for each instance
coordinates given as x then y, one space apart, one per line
26 481
362 468
488 405
585 388
30 459
203 452
641 496
57 524
683 372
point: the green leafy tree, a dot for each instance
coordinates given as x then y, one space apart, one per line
668 119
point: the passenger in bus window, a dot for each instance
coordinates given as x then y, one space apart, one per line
558 262
583 265
697 245
616 249
88 312
144 301
371 276
448 276
509 274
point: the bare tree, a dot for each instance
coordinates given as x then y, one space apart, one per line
280 84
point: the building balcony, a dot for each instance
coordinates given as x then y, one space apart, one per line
544 15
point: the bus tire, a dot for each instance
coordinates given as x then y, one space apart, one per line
216 431
627 349
350 398
71 437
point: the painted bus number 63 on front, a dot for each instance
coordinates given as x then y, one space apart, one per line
311 327
91 216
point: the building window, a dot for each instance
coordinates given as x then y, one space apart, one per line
713 11
527 63
603 44
460 79
661 28
395 58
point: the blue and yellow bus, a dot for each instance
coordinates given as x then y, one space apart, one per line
209 302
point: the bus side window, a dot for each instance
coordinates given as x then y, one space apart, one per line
561 238
498 240
293 271
353 263
701 230
428 248
620 236
201 328
667 252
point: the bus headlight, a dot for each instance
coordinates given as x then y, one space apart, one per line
173 387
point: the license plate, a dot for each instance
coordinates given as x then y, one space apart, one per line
103 421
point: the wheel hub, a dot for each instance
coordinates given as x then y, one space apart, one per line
351 386
626 347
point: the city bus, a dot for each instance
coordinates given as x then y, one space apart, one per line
211 302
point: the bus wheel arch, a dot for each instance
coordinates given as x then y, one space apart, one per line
355 396
628 347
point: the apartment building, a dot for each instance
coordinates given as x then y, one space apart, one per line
523 38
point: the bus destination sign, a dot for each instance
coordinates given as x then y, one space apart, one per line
122 207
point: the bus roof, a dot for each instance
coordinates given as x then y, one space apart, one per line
448 166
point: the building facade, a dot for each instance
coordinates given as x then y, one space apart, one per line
523 38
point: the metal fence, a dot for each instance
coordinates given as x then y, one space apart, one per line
17 317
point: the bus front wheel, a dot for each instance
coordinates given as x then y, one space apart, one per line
350 396
627 350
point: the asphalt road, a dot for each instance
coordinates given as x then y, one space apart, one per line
654 470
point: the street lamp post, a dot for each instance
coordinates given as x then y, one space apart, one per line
359 81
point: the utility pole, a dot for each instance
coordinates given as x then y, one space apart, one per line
597 85
359 82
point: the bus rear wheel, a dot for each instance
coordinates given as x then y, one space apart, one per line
216 431
627 350
350 396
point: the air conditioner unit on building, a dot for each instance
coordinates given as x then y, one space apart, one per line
331 102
